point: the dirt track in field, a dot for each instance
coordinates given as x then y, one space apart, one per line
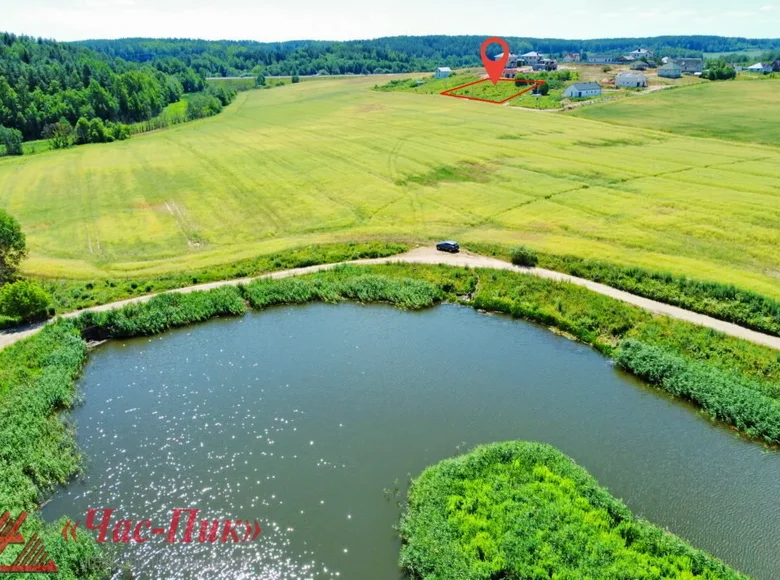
428 255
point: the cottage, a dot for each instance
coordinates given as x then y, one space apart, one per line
670 70
442 72
690 65
626 58
639 65
641 53
532 57
572 57
580 90
601 59
759 67
631 80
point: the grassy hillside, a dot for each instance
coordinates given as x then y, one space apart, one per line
738 110
334 160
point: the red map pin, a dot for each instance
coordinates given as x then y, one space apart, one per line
495 68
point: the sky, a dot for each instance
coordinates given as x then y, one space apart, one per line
355 19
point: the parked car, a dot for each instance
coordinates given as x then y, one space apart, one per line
448 246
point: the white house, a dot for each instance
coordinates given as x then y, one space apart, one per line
580 90
632 80
572 57
442 72
642 53
601 59
689 65
759 67
532 58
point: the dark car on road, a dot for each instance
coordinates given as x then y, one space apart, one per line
448 246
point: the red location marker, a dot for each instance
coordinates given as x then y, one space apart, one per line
495 68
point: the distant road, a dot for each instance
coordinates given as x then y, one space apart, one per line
428 255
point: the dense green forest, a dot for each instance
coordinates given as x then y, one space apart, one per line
385 55
43 82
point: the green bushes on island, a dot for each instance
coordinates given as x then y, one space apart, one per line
525 510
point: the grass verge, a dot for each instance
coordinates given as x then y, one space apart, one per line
525 510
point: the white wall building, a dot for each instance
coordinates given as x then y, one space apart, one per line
580 90
630 80
442 72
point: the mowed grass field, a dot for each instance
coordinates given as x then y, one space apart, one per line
335 160
741 110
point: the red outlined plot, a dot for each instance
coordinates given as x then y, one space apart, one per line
533 84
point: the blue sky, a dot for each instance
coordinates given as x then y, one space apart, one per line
350 19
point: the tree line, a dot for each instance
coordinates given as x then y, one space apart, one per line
397 54
46 86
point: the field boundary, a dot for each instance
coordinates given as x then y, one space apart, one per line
427 255
535 83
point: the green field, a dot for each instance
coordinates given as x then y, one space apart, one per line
738 110
335 160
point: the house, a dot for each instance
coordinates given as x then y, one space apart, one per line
580 90
641 53
532 57
639 65
601 59
547 64
776 66
442 72
572 57
690 65
670 70
632 80
626 59
759 67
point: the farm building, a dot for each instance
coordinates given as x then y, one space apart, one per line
572 57
670 70
631 80
641 53
690 65
442 72
580 90
639 65
625 59
601 59
547 64
759 67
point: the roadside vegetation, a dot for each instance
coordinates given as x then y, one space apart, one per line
524 510
722 301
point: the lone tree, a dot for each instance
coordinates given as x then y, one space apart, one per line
12 140
12 247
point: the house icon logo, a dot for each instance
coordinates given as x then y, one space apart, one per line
33 557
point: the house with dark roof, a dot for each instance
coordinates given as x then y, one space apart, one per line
581 90
671 70
690 65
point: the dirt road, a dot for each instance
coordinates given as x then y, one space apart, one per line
431 256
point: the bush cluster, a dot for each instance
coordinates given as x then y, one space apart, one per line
524 510
25 301
524 256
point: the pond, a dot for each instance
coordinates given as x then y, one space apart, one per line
310 419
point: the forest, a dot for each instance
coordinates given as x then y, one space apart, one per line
44 84
386 55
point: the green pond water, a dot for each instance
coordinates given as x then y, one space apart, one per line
308 418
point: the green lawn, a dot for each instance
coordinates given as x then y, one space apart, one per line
334 160
738 110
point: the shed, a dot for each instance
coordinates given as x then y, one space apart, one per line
442 72
631 80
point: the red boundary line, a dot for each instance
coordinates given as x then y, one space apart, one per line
448 92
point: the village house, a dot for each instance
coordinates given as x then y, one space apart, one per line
671 70
689 65
631 80
639 65
572 57
776 66
759 67
532 58
580 90
626 58
442 72
601 59
548 64
640 53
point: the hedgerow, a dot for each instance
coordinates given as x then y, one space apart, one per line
525 510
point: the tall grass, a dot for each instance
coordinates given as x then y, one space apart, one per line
524 510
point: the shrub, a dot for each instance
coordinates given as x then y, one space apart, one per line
12 140
524 510
25 300
524 256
